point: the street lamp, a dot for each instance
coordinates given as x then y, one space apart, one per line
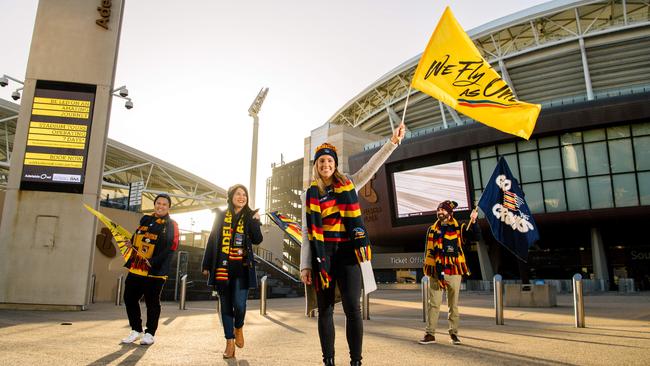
123 93
4 81
253 110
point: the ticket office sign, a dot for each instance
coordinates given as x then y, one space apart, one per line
58 137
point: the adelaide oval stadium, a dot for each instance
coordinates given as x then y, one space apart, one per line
585 170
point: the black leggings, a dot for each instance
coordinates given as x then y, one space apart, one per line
345 274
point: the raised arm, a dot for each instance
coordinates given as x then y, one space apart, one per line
366 172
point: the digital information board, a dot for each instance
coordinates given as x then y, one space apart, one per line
58 137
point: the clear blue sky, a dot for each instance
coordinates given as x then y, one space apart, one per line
194 67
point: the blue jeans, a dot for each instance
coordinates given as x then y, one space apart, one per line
233 305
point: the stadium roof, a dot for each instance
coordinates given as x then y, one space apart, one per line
123 165
555 53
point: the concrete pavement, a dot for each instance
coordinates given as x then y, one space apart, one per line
617 333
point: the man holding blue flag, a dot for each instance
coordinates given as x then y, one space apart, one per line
506 211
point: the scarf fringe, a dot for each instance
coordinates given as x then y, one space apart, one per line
364 254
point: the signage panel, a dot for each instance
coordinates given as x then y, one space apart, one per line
58 137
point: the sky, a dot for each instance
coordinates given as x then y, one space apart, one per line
194 67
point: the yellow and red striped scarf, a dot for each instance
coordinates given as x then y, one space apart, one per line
334 219
227 253
436 260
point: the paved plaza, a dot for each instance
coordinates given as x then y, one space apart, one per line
617 333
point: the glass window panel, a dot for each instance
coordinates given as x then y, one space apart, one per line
618 132
573 160
474 154
576 192
550 162
533 196
644 188
554 196
594 135
513 165
550 141
506 148
476 174
600 191
527 145
529 163
640 129
487 151
642 152
620 153
571 138
597 160
625 190
487 168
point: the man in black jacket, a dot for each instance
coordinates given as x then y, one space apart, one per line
152 246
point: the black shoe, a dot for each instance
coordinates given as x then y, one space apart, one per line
428 339
355 363
328 361
454 339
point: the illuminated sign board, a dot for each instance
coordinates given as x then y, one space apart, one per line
58 137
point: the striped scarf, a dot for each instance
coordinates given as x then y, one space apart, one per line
334 220
444 253
228 254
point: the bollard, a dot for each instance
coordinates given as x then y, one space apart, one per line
92 289
366 305
181 304
425 297
578 301
263 296
118 294
498 298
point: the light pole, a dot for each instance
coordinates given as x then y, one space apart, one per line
253 110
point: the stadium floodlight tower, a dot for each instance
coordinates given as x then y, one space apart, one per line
253 111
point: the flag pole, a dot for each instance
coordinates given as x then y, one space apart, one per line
406 104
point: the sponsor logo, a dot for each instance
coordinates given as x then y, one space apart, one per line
38 176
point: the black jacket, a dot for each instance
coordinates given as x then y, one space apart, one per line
253 235
166 243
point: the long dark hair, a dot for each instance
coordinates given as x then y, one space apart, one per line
231 194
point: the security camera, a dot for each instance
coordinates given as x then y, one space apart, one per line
15 95
128 104
124 92
4 81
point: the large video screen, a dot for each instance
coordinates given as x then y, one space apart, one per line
419 191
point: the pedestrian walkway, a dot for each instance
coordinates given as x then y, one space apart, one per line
617 333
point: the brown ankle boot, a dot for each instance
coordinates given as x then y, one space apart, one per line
239 337
230 349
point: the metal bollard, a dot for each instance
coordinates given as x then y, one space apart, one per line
118 294
498 298
578 301
366 305
181 304
263 289
425 297
92 289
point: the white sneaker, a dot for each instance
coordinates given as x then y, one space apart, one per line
132 337
147 339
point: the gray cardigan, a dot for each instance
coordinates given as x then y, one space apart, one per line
359 179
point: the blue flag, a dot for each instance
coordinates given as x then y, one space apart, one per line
507 213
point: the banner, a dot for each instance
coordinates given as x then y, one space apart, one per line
506 211
120 234
453 71
288 225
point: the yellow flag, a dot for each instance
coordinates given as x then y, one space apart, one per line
453 71
120 234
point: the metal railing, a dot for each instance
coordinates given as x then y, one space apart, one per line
263 293
181 304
